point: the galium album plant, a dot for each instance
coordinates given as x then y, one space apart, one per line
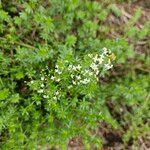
51 64
66 93
71 78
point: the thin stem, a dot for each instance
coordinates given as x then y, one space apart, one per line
20 43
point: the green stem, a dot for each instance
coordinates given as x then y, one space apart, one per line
20 43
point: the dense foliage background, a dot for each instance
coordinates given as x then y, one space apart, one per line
39 36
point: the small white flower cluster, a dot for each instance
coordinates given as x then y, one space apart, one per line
42 86
74 68
41 89
57 70
76 74
99 59
108 65
56 95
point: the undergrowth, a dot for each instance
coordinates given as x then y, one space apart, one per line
57 74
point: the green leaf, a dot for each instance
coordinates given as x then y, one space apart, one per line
4 94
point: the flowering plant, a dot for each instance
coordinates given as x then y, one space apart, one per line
66 92
71 78
51 75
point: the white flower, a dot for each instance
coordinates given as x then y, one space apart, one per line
108 66
100 60
86 71
97 72
59 72
102 56
70 86
32 82
72 75
95 58
40 91
57 93
78 67
85 81
45 96
74 83
56 70
105 51
42 85
70 67
52 77
90 55
74 68
55 98
78 77
42 78
94 66
58 80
